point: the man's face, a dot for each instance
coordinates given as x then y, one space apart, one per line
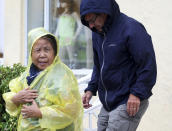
96 20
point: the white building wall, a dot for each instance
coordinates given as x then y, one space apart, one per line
156 15
1 25
1 30
13 32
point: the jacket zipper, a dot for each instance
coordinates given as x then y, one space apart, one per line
102 75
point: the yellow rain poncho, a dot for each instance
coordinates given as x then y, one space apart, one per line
59 99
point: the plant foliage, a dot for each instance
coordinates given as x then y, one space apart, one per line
8 73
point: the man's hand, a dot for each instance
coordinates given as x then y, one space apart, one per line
133 105
86 99
31 111
24 96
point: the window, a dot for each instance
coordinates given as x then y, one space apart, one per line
35 14
74 39
61 17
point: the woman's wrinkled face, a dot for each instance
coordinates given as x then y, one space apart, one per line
42 54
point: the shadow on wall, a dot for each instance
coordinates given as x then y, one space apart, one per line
1 55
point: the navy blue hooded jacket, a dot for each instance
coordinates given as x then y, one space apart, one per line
124 58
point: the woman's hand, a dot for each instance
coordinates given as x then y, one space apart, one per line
25 96
31 111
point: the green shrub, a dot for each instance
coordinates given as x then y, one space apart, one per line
7 73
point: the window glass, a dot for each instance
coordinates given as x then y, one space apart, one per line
35 14
74 39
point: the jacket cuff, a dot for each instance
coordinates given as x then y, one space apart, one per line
93 92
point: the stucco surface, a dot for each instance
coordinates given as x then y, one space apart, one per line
156 15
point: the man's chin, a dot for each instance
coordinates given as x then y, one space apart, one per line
100 31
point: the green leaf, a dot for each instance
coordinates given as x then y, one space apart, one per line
8 73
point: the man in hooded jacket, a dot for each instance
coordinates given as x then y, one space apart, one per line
124 71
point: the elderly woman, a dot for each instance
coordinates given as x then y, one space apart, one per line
45 97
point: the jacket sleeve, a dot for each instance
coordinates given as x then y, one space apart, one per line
14 86
66 105
141 49
93 84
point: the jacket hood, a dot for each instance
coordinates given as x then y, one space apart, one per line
109 7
